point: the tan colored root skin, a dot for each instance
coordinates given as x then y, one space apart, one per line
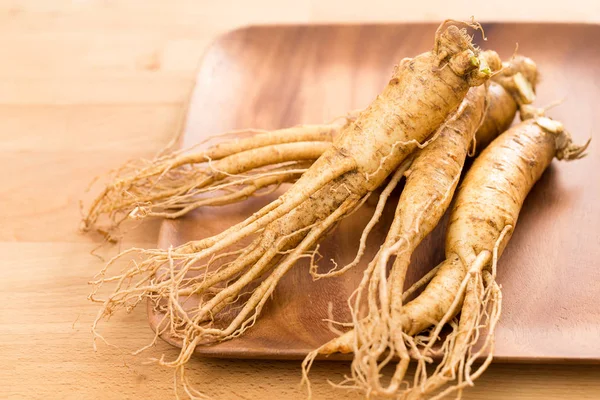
426 196
165 176
510 88
499 110
172 188
388 125
229 166
482 221
380 137
269 181
361 158
513 162
481 307
430 183
503 107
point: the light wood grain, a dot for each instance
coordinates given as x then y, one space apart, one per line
86 85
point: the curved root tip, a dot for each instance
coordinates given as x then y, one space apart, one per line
84 226
565 148
341 344
573 151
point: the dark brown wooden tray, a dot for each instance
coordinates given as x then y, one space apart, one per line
278 76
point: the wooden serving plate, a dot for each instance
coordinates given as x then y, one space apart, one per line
273 77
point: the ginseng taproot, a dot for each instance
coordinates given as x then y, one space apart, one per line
421 97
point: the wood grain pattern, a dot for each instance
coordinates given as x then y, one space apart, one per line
271 77
49 152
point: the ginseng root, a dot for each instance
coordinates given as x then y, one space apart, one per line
429 187
482 220
196 284
481 223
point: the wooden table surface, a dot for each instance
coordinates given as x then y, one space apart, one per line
87 85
